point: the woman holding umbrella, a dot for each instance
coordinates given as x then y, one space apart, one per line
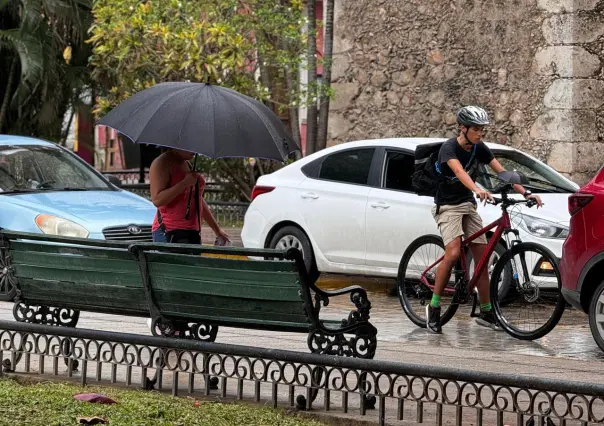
172 179
190 119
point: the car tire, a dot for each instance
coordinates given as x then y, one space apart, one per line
596 307
292 236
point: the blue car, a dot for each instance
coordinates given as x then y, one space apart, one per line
45 188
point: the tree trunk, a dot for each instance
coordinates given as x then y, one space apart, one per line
294 118
311 114
327 61
8 93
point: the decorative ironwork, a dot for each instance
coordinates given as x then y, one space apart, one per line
405 390
361 345
47 315
184 330
8 281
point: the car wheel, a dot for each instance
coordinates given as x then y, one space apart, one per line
504 285
596 316
293 237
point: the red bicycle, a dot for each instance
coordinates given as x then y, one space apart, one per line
525 282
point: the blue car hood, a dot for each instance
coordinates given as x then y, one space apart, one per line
94 210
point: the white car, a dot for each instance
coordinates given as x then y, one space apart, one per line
350 208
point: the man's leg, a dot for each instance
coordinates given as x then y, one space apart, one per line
478 251
473 224
451 229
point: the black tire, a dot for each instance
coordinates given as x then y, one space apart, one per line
506 283
502 307
407 293
305 247
596 307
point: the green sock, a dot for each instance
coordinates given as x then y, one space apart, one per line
485 306
435 300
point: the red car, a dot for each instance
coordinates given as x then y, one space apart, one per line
582 263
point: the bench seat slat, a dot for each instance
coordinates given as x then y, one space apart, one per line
81 263
218 288
58 273
221 263
96 252
56 293
166 271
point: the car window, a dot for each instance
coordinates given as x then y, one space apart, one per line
44 168
350 166
542 179
398 171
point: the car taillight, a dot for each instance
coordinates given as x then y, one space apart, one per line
577 201
259 190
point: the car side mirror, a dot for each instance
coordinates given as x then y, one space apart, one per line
114 180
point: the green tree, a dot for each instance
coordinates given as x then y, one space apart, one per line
44 56
252 46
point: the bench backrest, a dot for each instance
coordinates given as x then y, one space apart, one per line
99 279
251 293
108 277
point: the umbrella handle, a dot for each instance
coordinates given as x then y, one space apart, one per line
191 191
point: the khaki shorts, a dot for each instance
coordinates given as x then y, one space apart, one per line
460 220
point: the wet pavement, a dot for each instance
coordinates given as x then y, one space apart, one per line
568 352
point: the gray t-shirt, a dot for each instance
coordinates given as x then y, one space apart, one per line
453 193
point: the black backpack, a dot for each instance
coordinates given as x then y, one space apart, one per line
426 177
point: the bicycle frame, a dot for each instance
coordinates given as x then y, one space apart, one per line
502 225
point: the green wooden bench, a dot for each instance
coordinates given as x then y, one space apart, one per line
185 292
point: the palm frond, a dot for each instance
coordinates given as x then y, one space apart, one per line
31 58
31 14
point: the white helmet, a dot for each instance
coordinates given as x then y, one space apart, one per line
472 116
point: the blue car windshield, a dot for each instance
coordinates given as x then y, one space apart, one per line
25 168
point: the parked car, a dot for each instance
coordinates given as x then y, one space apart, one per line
582 264
45 188
350 208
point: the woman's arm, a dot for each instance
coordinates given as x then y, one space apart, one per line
159 179
209 218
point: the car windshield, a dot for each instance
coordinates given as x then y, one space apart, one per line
542 179
27 168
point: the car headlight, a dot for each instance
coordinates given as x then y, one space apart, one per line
54 225
543 228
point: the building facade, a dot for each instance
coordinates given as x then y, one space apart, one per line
402 68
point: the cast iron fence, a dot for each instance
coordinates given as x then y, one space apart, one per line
420 393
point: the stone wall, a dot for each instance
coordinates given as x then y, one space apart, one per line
402 68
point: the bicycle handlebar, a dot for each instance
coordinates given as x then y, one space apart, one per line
510 202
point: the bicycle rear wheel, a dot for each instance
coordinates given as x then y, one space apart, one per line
534 304
412 293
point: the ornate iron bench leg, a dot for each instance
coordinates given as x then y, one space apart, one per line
62 317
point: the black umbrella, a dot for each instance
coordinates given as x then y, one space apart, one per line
202 118
206 119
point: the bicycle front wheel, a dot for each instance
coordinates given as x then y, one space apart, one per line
534 303
413 294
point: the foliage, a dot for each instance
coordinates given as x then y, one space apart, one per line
53 404
44 59
247 45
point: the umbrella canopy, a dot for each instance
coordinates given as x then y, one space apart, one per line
202 118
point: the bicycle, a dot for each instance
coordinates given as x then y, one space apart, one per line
512 282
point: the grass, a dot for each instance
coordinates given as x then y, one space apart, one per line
50 403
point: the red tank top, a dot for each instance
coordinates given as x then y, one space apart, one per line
173 213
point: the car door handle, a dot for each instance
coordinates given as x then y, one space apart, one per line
310 195
380 205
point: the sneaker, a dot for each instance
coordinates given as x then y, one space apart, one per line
433 319
488 319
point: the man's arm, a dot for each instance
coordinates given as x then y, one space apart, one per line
498 168
467 181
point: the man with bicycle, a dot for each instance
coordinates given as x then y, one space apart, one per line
455 209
